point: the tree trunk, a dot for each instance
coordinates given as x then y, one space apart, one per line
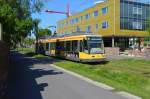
36 45
37 39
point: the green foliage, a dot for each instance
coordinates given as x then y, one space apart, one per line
36 31
36 26
44 32
15 16
37 5
28 41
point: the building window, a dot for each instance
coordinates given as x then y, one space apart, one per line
96 27
95 13
105 25
88 29
87 16
81 18
66 23
137 25
72 21
76 20
137 11
105 10
78 28
134 15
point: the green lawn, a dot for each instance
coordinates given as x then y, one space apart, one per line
130 75
30 52
25 50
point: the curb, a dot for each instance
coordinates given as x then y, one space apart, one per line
128 95
98 84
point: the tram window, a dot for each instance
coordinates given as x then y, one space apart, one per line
75 45
47 46
85 46
68 46
52 46
62 45
81 46
41 47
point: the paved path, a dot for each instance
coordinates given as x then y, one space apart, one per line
37 79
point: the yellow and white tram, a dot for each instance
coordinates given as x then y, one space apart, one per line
83 47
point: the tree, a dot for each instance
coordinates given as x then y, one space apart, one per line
29 41
39 33
44 32
36 32
15 16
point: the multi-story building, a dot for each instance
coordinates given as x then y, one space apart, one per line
117 21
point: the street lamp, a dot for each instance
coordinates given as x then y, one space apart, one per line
54 30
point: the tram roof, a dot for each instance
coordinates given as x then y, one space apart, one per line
70 34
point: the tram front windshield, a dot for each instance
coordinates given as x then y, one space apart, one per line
93 45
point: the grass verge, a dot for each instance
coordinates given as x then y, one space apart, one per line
25 50
30 52
129 75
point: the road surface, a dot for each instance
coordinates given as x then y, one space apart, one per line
37 79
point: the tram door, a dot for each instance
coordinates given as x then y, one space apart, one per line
58 48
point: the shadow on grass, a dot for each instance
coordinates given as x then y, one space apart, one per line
31 54
40 56
98 63
88 63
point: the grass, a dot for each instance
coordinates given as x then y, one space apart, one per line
131 75
39 56
25 50
30 52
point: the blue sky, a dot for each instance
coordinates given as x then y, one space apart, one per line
48 19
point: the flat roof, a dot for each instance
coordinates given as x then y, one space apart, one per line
71 34
140 2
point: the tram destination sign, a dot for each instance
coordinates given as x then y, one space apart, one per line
94 38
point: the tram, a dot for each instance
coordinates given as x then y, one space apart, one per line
82 47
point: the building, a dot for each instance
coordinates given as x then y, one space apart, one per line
120 22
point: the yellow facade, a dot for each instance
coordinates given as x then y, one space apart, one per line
112 17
